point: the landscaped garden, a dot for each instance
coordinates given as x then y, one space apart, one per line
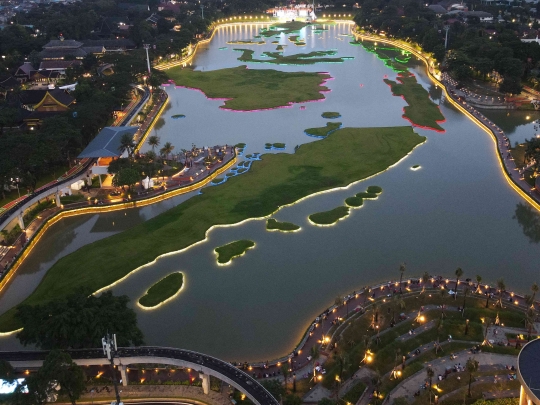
276 180
253 89
162 291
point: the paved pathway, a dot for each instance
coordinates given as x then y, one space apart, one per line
412 384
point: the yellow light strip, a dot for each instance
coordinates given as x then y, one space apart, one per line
101 209
479 123
149 129
189 58
172 297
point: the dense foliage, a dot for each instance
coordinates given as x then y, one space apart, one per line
80 320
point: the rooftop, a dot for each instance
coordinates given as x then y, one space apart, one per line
107 142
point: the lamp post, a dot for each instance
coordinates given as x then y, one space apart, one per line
16 180
110 349
466 326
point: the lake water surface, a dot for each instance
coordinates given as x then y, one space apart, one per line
456 211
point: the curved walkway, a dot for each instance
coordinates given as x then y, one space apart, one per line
202 363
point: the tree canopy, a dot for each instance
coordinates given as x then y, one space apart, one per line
78 321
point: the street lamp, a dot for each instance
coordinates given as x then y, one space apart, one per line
110 349
16 180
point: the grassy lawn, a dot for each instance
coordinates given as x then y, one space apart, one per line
329 217
273 225
296 59
421 111
234 249
276 180
330 115
73 198
353 395
322 132
162 290
253 89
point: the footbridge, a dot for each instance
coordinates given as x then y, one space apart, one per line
206 365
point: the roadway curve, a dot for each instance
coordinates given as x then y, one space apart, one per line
202 363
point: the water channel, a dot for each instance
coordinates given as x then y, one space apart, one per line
456 211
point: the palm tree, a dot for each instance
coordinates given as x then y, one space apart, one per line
153 141
430 373
472 367
534 289
167 148
459 273
530 317
488 295
314 353
425 279
478 280
465 292
342 361
401 271
501 287
285 372
127 144
443 305
397 303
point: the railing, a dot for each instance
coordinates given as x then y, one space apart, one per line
244 381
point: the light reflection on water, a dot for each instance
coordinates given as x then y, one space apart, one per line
457 211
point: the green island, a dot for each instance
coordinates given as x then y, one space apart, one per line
253 89
163 290
274 225
294 38
327 218
393 58
371 193
246 42
276 180
176 116
300 43
284 28
323 132
415 167
231 250
277 145
296 59
280 47
330 115
217 180
421 111
354 202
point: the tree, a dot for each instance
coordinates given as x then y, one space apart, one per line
274 387
478 281
166 150
401 271
472 367
314 353
153 141
126 177
127 144
501 287
7 373
430 373
397 304
285 371
425 280
511 85
465 292
534 289
79 320
59 367
458 273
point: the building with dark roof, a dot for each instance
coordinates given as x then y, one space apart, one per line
44 104
60 49
106 144
528 372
